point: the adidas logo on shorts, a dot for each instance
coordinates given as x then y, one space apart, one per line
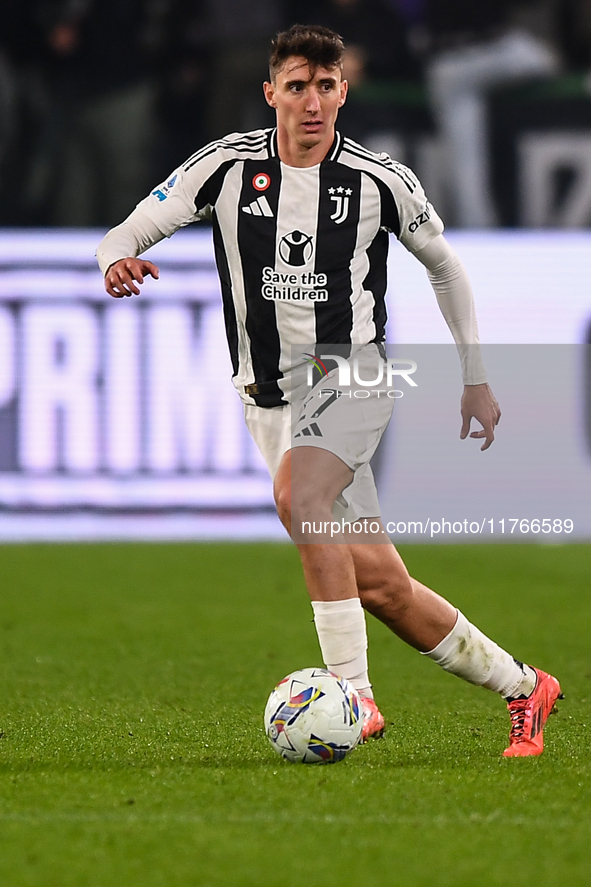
311 430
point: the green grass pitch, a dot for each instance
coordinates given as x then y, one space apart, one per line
132 684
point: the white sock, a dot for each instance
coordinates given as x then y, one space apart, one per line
469 654
342 635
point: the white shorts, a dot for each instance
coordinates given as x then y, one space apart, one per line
350 427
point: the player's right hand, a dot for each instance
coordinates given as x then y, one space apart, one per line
123 276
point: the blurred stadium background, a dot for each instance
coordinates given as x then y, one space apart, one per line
100 100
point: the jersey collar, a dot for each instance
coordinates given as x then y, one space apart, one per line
335 148
332 153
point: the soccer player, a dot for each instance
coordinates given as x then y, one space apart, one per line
301 218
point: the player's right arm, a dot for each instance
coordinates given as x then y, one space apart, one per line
175 203
118 251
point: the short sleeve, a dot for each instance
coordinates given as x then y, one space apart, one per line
418 222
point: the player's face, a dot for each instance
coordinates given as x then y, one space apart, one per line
306 103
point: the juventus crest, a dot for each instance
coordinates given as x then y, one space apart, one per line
341 197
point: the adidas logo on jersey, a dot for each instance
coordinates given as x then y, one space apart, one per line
259 207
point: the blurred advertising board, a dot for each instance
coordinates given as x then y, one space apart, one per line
118 418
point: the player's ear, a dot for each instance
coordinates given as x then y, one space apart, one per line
269 90
344 87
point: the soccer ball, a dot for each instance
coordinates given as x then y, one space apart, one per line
314 717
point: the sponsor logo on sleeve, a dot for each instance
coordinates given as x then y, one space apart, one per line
164 190
422 217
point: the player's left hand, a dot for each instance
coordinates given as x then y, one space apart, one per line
479 402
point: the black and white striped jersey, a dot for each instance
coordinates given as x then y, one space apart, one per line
301 252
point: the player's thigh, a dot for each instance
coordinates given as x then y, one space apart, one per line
341 421
270 428
318 477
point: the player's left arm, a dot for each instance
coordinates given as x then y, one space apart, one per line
454 295
420 230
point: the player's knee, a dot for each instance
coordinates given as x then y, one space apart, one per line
282 495
297 508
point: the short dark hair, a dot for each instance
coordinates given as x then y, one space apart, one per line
320 46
